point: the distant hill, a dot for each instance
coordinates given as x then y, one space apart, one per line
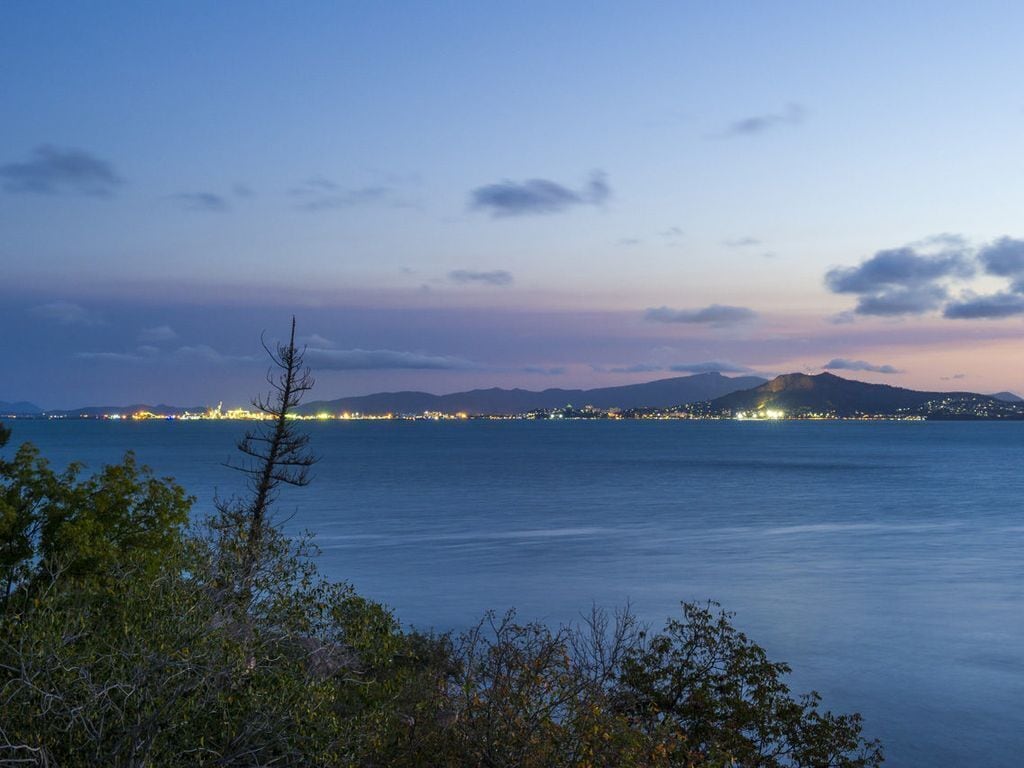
1008 397
798 393
661 393
19 409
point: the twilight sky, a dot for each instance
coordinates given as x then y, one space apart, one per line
462 194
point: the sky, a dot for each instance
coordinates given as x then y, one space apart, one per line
454 195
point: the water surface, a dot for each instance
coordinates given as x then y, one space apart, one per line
884 560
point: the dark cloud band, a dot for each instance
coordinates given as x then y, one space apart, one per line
715 314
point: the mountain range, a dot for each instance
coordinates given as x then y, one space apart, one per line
663 392
792 393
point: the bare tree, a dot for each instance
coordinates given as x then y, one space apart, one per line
275 452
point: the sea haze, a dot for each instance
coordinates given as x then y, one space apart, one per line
882 560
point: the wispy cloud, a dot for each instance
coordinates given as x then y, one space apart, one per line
67 313
384 359
494 277
844 364
158 334
200 353
319 193
203 201
719 315
635 368
51 170
741 242
711 366
315 340
792 114
942 240
116 357
707 366
537 196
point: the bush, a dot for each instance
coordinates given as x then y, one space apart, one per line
606 693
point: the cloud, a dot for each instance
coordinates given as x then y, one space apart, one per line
711 366
1004 257
315 340
208 354
537 196
897 267
947 240
741 242
157 334
903 281
842 318
384 359
52 170
112 357
318 193
203 201
200 353
793 114
718 315
991 307
628 241
494 277
637 368
902 301
557 370
67 313
843 364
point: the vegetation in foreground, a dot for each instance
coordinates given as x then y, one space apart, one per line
130 636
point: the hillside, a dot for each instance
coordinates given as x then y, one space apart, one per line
798 393
19 409
661 393
1008 397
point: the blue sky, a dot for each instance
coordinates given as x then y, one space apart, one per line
452 195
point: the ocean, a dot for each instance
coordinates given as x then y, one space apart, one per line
883 560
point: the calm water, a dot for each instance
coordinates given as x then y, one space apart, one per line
884 561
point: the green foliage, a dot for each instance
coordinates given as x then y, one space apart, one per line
708 682
52 521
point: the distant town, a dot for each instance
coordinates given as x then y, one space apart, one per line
941 409
702 396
